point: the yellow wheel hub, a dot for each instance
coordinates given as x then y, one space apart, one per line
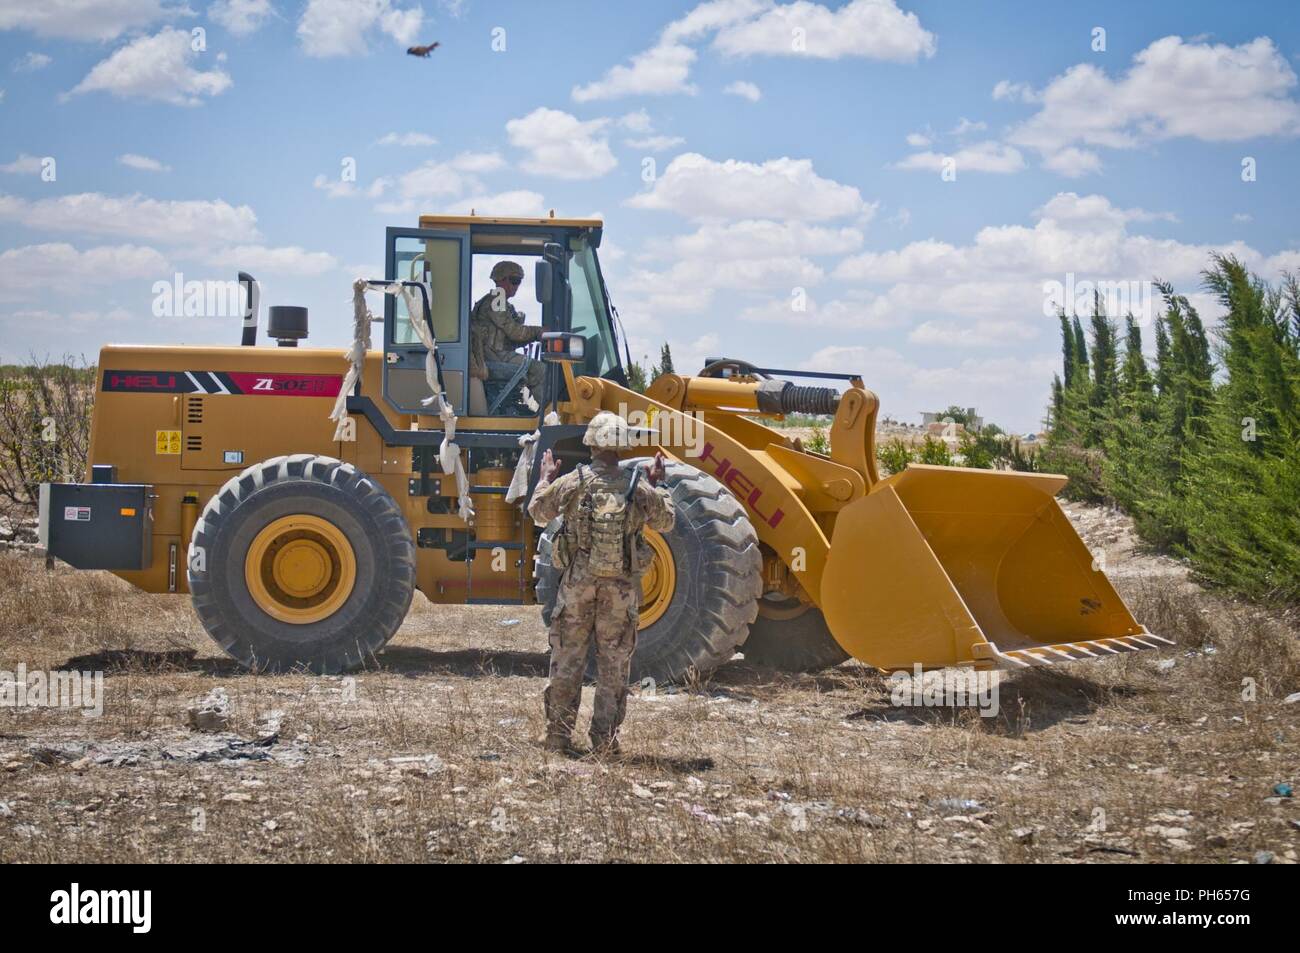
300 569
659 582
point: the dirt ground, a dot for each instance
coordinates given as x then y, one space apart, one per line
433 755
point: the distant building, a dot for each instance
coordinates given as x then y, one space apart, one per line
973 421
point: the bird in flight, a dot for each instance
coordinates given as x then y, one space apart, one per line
423 51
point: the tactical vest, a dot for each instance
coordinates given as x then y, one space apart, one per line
598 522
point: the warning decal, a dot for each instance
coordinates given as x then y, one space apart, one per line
167 441
80 514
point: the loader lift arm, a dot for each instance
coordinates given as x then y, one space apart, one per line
934 566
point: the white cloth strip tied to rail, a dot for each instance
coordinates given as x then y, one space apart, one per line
448 453
518 488
529 400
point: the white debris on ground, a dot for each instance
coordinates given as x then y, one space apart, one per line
210 713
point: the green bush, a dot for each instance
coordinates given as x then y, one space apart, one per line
1202 448
818 442
894 456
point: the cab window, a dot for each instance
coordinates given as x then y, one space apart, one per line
589 314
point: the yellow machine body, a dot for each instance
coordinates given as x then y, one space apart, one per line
935 566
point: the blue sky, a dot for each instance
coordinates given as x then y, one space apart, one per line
799 157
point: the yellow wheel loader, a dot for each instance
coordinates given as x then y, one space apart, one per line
301 539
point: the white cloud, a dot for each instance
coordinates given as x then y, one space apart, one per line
561 145
478 162
31 63
433 180
1073 162
754 238
1008 390
23 165
1005 89
145 164
286 260
980 157
344 189
241 17
711 16
155 67
33 269
854 309
873 29
655 143
638 121
745 90
696 351
1283 262
197 222
1243 217
1001 274
979 333
700 188
408 139
342 27
694 280
966 126
1216 93
660 70
519 203
85 19
451 177
917 140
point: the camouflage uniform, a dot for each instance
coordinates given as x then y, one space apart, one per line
588 605
495 330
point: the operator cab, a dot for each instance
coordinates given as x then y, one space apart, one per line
562 290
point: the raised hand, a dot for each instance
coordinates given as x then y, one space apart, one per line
656 473
550 466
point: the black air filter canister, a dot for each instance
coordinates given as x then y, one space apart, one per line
286 323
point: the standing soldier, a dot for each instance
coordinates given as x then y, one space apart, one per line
602 554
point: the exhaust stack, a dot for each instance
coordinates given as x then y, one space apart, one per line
252 308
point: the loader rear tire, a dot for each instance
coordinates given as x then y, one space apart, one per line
716 578
799 643
301 562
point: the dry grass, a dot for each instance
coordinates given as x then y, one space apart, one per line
745 767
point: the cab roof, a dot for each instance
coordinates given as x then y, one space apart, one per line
433 221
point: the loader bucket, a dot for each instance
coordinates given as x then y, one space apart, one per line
951 566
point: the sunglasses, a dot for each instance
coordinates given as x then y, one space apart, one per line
512 281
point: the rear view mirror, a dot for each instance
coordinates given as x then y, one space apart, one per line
543 274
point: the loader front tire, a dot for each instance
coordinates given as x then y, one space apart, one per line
712 582
301 562
792 642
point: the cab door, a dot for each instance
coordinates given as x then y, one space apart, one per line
440 259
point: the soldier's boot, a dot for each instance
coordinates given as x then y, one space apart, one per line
559 725
557 740
605 747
